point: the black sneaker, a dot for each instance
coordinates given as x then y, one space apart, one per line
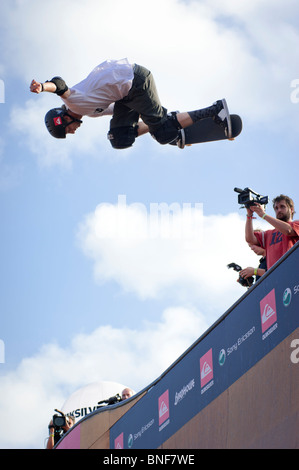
223 117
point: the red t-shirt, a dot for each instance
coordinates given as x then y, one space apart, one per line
276 243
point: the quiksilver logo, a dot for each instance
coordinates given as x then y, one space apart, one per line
206 370
163 409
267 313
57 121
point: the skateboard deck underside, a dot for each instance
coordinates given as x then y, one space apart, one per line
206 130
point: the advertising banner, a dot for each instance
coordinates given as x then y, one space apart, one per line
249 331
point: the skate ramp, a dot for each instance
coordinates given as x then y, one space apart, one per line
237 386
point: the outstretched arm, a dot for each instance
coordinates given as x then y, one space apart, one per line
38 87
56 85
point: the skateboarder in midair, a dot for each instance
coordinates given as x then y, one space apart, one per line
128 93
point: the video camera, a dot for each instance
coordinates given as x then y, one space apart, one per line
59 421
111 401
244 282
247 199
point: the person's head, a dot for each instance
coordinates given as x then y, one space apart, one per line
283 207
126 393
70 421
61 121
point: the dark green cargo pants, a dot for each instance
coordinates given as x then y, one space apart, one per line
142 101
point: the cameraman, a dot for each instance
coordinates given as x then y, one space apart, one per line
285 233
70 421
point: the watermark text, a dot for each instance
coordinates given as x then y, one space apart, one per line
2 91
295 92
161 220
2 352
295 353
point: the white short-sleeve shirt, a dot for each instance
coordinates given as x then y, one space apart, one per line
96 94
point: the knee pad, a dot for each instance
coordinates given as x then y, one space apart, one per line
168 131
122 137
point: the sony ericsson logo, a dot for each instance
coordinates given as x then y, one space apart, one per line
287 297
130 441
136 435
222 357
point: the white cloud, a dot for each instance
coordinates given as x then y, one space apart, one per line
185 256
29 121
29 394
9 175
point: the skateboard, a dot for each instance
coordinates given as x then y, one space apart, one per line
206 130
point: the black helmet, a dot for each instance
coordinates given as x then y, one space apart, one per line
55 122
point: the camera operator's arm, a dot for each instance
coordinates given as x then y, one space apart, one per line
280 225
50 443
249 233
248 272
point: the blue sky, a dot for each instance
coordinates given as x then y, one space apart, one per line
88 293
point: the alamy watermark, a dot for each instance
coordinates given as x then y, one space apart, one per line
161 221
2 351
2 91
295 353
295 92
